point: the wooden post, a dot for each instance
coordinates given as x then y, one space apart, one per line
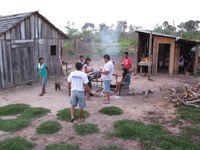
150 61
196 60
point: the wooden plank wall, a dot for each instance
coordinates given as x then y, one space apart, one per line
21 47
163 40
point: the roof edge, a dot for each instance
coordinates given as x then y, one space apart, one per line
41 16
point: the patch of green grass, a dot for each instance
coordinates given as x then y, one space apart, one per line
13 109
111 111
151 136
17 143
64 114
26 114
84 129
192 133
112 147
190 113
48 127
35 113
61 147
13 125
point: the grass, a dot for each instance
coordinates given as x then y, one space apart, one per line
13 109
176 122
112 147
61 147
48 127
35 113
111 111
151 136
85 129
13 125
192 133
17 143
26 114
190 114
64 114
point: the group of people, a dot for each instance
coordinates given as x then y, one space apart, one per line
79 81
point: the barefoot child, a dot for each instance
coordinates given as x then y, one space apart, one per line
77 85
126 80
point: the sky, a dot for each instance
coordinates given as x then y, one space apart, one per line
145 13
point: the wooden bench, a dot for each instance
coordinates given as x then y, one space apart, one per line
98 81
124 91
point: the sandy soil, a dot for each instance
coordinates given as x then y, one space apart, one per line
145 109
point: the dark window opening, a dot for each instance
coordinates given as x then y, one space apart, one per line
53 50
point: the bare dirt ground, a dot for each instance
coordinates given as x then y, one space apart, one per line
137 107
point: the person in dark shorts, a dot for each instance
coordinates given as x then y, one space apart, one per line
77 85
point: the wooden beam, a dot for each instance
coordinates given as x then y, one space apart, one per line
196 60
150 61
1 64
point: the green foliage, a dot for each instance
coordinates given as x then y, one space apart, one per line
48 127
17 143
190 114
61 147
35 113
13 109
188 29
13 125
111 111
84 129
64 114
151 136
112 147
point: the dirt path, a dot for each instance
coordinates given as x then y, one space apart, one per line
150 109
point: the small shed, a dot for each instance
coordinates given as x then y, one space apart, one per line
23 39
166 53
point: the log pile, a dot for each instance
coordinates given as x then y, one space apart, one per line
184 96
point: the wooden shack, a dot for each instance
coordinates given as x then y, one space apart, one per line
23 39
166 51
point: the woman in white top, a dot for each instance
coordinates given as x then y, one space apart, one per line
88 71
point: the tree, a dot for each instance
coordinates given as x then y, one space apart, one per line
72 32
88 26
121 26
165 28
191 26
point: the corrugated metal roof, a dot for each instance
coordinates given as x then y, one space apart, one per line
156 33
178 39
9 22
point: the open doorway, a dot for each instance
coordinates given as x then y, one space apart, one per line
187 58
163 58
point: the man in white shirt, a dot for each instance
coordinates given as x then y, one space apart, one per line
77 85
107 73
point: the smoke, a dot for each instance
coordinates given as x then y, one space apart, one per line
108 41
